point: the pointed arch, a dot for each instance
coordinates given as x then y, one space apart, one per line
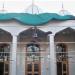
65 35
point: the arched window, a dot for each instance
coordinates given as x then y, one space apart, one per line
61 52
4 52
33 50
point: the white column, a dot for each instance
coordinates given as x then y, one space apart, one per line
53 70
13 56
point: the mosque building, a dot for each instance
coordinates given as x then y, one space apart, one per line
35 43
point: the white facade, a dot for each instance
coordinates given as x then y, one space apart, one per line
58 28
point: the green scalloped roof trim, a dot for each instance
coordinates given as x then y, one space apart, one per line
34 19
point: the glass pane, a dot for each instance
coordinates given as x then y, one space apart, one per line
61 52
29 59
29 68
36 67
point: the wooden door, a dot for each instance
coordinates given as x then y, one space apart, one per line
33 68
62 68
33 65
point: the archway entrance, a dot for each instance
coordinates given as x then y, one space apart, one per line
4 59
5 41
62 60
65 43
34 51
33 63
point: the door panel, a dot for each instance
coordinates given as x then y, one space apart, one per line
62 68
59 68
33 68
29 67
36 67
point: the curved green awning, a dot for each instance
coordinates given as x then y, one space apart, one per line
34 19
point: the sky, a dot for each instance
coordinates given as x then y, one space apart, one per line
51 6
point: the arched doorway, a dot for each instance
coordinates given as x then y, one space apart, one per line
62 60
4 59
35 51
65 40
5 43
33 63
